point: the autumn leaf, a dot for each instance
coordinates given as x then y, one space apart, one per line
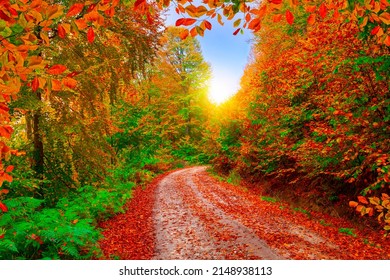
3 207
207 24
61 31
323 10
139 3
289 17
9 168
81 23
236 31
254 24
184 34
56 69
69 82
311 19
375 30
277 18
4 16
353 204
56 85
374 200
277 2
200 11
35 84
7 177
75 10
385 18
4 191
6 131
362 199
387 41
90 35
219 18
185 21
310 9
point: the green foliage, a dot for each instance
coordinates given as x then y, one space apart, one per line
234 178
348 231
66 231
303 211
269 199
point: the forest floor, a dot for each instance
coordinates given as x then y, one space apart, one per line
187 214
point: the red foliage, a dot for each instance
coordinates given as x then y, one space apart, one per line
90 35
3 207
131 235
221 209
75 10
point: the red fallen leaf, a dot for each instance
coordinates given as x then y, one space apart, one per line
370 211
61 31
90 35
3 207
185 21
35 84
36 238
362 199
353 204
75 10
2 236
56 69
323 10
289 17
9 168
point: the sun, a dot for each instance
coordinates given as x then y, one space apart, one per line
221 90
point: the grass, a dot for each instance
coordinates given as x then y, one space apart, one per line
269 199
348 231
297 209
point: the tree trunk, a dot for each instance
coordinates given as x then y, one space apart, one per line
38 144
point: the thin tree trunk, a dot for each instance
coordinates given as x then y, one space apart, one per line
38 144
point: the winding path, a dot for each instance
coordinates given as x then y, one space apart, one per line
187 214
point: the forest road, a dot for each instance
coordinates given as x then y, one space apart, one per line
196 217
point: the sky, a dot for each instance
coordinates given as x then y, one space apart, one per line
227 54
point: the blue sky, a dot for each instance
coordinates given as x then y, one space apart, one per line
226 53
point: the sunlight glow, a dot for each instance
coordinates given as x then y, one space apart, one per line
221 90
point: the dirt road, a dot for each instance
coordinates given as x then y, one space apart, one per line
189 215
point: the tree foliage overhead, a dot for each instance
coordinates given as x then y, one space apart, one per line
316 98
